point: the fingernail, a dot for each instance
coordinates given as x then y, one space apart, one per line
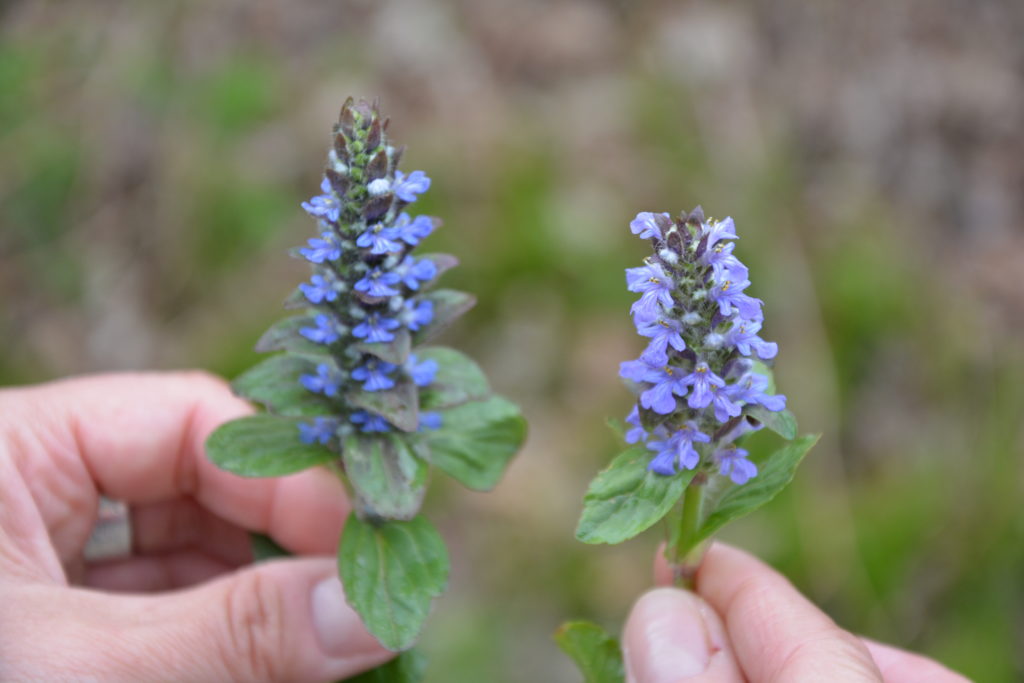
338 628
666 638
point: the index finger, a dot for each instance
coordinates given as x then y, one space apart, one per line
140 438
776 632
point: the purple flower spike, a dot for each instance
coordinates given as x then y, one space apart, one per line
376 328
733 462
702 331
325 205
407 188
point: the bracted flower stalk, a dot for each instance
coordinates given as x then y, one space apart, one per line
358 391
702 385
696 379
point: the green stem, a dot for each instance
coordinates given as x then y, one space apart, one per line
685 555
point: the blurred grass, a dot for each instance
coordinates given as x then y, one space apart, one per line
150 175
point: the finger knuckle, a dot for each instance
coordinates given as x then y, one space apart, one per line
255 631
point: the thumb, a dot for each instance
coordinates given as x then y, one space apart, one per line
672 635
285 620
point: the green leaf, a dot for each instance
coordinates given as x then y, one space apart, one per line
457 381
476 441
626 498
275 383
774 473
398 404
596 653
388 477
395 351
449 304
407 667
782 422
264 446
618 426
391 573
284 336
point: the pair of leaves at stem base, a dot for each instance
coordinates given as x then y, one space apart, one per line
626 498
392 562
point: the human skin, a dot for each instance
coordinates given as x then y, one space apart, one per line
746 622
184 606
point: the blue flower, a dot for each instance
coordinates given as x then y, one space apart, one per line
665 381
408 187
733 462
701 379
320 290
370 422
728 294
378 283
743 336
325 381
380 239
750 388
637 433
430 420
417 314
376 328
646 224
656 290
324 249
411 231
374 375
422 374
325 205
722 402
413 271
677 450
721 260
325 332
719 230
320 431
664 332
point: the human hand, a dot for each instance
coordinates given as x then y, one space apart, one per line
748 623
183 607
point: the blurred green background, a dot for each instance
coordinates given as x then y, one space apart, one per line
153 156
